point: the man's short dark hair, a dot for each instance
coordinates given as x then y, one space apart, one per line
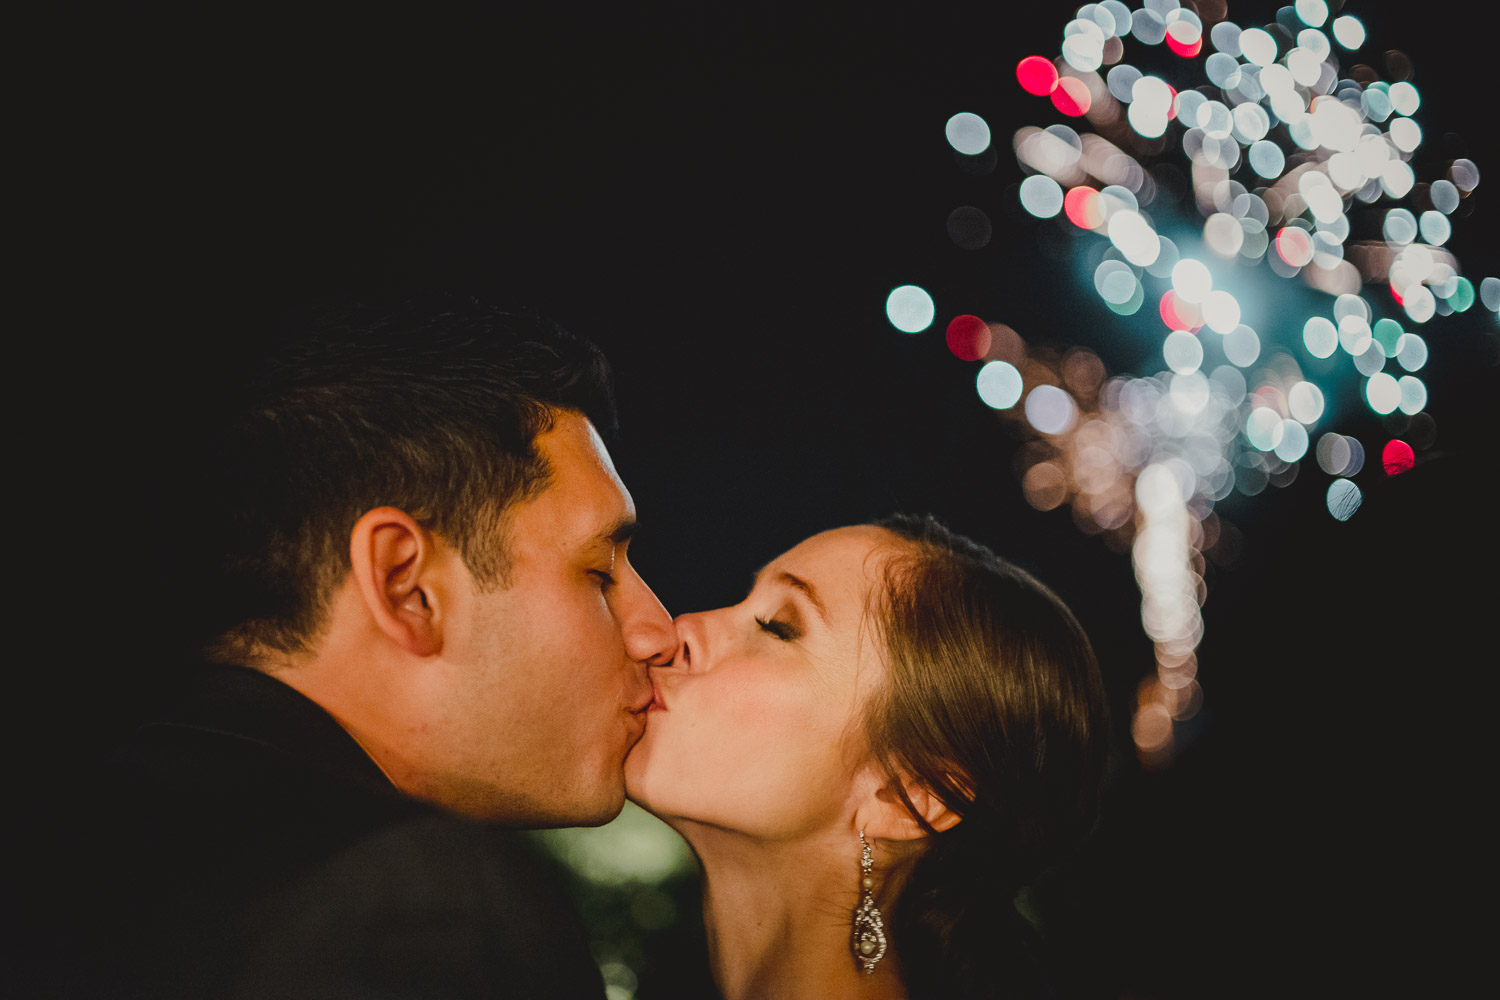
433 409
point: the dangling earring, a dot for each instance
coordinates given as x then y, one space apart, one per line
869 927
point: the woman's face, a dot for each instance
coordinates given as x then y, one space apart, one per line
756 725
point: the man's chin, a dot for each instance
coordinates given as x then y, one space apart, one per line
600 816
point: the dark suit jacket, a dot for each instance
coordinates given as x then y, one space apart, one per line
247 847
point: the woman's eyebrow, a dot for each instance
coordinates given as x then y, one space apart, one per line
797 583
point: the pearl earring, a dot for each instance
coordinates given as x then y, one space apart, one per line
869 926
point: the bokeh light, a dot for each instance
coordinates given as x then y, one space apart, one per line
1411 353
1082 207
1349 31
1434 227
1343 499
1050 409
1312 12
1413 394
1183 352
1333 454
999 385
1382 393
968 133
1191 281
1037 75
1221 311
1302 166
1293 443
1320 336
1305 401
1242 346
1263 428
1489 294
969 228
968 337
1072 96
1179 314
1397 457
1041 196
910 309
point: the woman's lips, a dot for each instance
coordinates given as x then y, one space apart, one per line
657 704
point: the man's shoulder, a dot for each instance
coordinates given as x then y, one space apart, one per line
243 775
246 845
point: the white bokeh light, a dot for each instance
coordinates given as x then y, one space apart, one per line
1320 336
1191 280
1411 352
1041 196
1133 236
1382 393
1344 499
1050 409
1242 346
1413 394
1183 352
910 309
1221 311
1348 31
1312 12
1257 47
1263 428
1305 401
968 133
999 385
1293 443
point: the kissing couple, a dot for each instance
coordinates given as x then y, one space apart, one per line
428 632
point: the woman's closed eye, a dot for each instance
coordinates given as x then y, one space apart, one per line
785 631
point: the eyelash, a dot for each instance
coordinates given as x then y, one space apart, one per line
781 630
605 579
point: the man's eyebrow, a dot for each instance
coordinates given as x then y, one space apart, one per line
619 533
799 584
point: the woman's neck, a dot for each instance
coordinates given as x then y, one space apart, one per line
779 918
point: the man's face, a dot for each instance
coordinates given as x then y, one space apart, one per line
545 685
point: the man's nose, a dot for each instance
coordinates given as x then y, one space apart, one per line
650 637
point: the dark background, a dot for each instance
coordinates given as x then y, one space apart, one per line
722 200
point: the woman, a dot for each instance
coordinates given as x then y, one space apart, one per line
869 755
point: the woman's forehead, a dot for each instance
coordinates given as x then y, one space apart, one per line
840 565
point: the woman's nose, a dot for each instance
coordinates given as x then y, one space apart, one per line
692 648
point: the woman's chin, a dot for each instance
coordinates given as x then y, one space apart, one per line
638 774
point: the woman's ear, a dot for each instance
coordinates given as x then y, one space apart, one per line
391 558
885 815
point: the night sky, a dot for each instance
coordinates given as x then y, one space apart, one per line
722 201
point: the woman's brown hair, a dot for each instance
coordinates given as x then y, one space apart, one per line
995 704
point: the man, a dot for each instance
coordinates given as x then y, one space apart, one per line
431 618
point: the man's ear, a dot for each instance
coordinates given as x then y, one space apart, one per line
391 557
883 815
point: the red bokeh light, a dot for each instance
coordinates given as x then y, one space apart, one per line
1072 96
1397 295
1294 246
1179 314
1397 457
1081 205
1183 48
1037 75
968 337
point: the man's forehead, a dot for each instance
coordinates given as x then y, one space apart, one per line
584 491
